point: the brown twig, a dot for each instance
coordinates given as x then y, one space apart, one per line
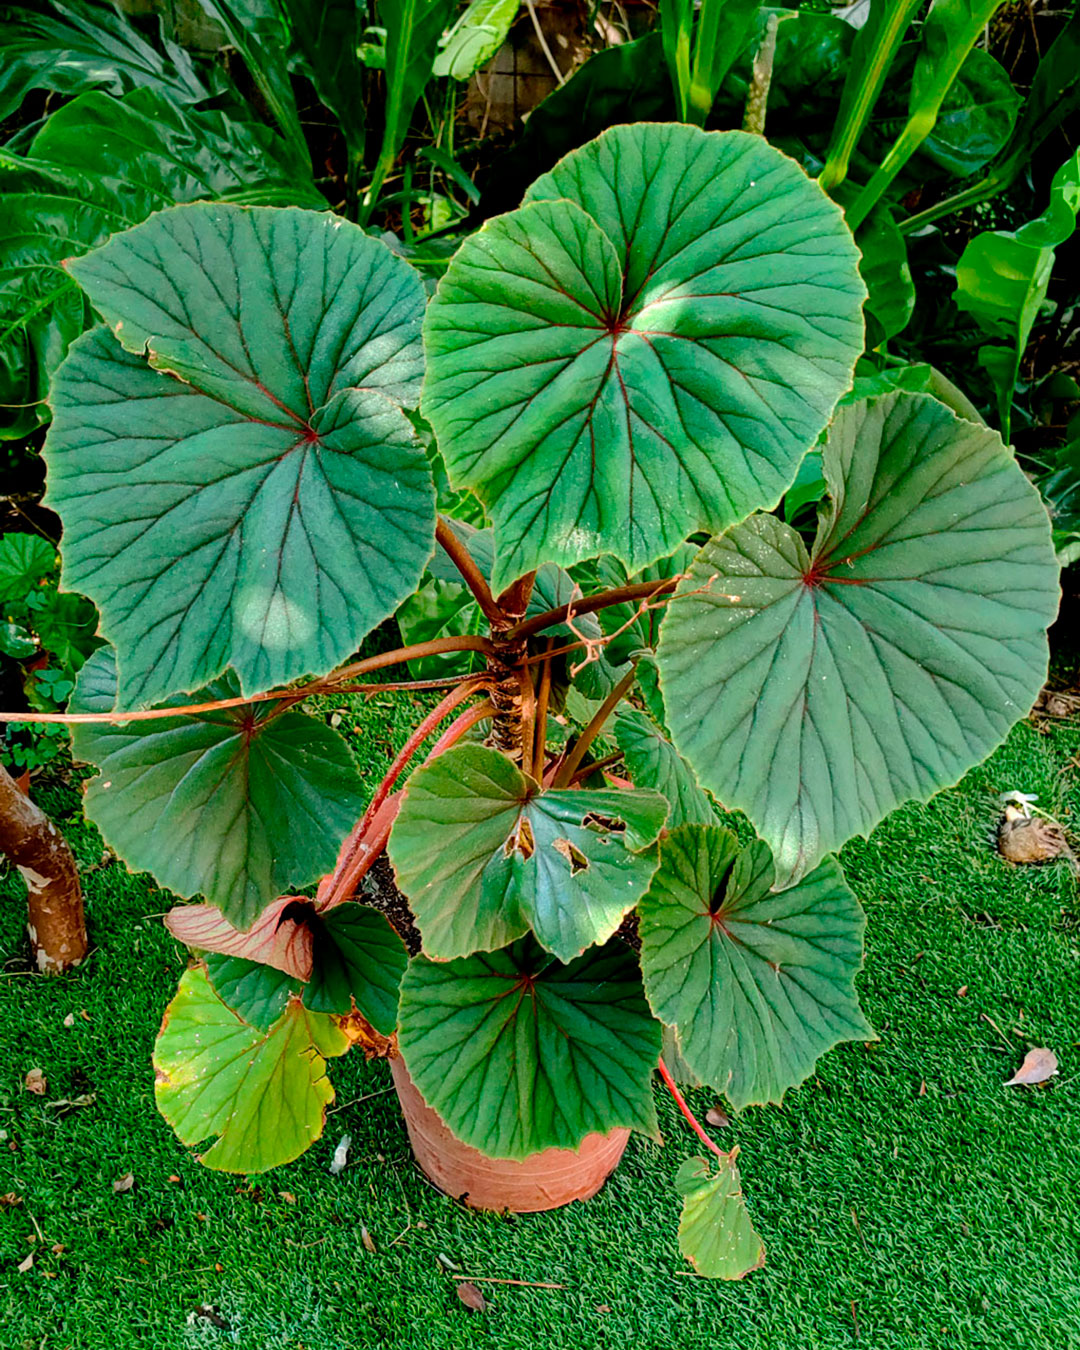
543 697
328 684
589 604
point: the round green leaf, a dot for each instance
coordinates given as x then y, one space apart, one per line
237 482
227 804
758 984
356 957
567 863
715 1232
518 1053
263 1093
645 348
818 691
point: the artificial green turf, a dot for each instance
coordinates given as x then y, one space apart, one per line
895 1214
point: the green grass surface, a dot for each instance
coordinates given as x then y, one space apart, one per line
906 1197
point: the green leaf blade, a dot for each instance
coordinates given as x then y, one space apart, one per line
223 804
518 1053
758 984
357 957
584 337
569 864
715 1232
264 1094
290 510
817 692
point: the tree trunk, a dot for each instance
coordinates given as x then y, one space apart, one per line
54 897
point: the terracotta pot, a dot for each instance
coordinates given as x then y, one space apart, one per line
545 1180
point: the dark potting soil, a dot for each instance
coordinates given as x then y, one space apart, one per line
381 892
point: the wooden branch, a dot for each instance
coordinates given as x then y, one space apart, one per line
54 897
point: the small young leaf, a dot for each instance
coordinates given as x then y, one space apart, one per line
277 938
715 1232
264 1094
518 1053
256 993
357 956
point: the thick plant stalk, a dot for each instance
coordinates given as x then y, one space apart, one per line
54 897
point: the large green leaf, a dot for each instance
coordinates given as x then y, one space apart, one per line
484 854
715 1232
758 983
655 338
518 1053
98 165
817 691
356 957
263 1093
653 762
75 46
248 492
234 804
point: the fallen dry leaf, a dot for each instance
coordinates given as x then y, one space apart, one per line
35 1082
57 1248
69 1020
603 1308
716 1115
471 1296
124 1183
367 1240
1039 1065
10 1198
287 1196
25 1265
341 1155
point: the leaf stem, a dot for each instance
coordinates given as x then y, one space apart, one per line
471 574
570 764
328 684
619 595
542 699
597 765
695 1124
417 737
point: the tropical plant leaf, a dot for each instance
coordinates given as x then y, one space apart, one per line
234 804
817 691
327 33
67 625
441 609
518 1053
1003 276
757 983
581 336
567 863
976 119
72 47
292 505
24 560
264 1094
280 937
715 1232
884 268
257 994
357 957
475 38
654 763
